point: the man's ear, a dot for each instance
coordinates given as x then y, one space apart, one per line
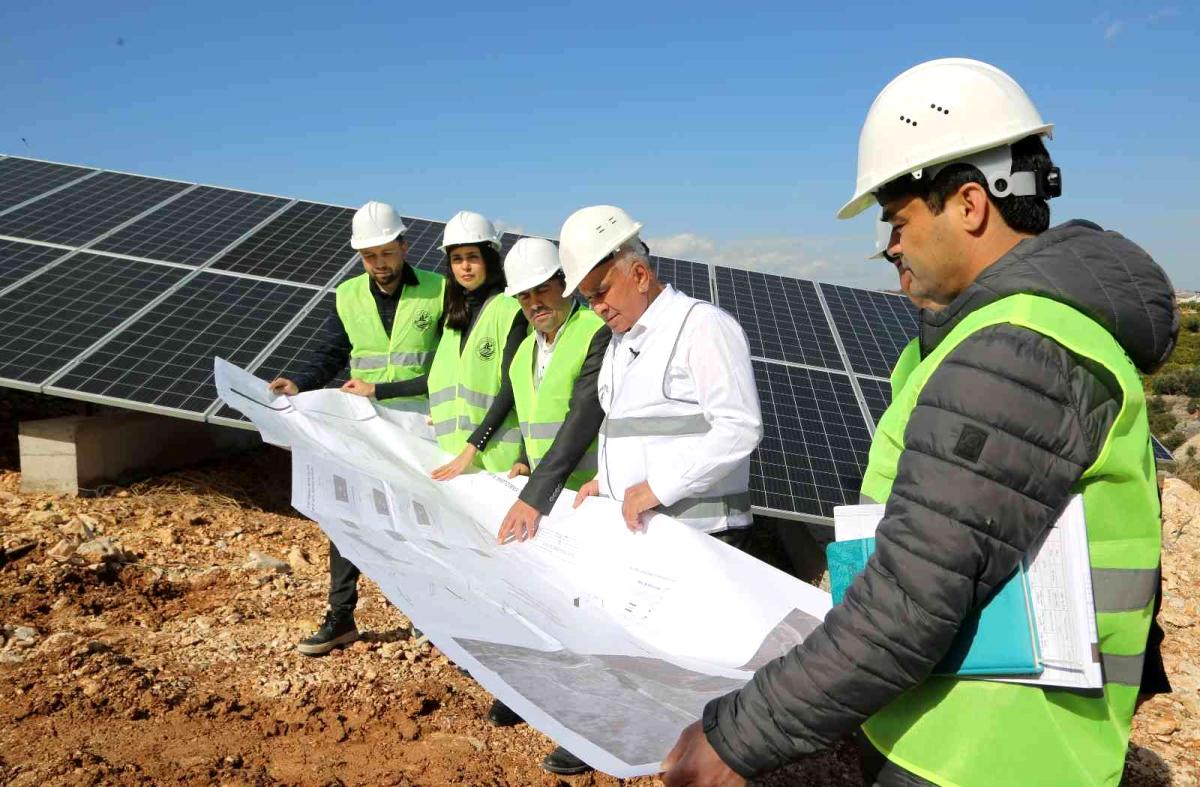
971 206
641 274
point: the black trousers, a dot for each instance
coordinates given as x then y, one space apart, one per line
343 584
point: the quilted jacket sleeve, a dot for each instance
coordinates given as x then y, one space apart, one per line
961 515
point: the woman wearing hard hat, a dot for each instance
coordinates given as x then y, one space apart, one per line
470 400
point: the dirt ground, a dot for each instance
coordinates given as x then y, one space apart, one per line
147 637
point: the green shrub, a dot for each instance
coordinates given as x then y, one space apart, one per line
1175 439
1192 325
1162 422
1155 404
1179 382
1193 406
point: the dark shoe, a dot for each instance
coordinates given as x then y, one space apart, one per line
562 762
337 631
500 715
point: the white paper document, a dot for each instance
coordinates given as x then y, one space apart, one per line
607 641
1059 571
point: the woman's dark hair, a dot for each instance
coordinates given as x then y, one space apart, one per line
455 312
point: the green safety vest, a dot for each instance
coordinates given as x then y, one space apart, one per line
972 732
462 386
378 358
542 410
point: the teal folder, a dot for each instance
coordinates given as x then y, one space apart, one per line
998 639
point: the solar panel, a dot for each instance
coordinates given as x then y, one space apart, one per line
299 344
165 358
816 432
294 351
308 243
815 441
423 238
22 179
1160 450
878 394
18 260
507 241
690 278
86 210
194 227
783 318
873 326
57 315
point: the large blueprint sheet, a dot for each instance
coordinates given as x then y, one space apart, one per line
607 641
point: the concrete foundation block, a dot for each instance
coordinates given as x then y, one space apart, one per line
78 452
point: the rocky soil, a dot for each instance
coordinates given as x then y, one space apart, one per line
147 634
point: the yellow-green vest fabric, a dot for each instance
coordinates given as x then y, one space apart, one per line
542 410
462 386
972 732
377 357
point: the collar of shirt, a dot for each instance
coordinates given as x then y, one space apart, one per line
634 337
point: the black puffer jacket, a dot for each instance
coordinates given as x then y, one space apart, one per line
1046 413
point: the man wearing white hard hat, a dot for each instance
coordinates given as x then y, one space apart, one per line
385 328
1021 392
553 375
677 386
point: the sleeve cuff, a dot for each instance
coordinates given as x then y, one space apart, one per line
668 490
711 723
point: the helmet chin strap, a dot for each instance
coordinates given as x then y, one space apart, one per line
997 168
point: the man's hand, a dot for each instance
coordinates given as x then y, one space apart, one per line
693 762
282 385
359 388
590 489
456 466
518 468
520 523
638 499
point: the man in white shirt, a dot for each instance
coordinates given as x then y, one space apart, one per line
676 385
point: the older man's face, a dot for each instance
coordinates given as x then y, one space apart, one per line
617 296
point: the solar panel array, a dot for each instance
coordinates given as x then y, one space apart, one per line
120 289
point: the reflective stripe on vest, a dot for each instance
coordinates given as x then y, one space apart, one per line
406 352
707 507
463 384
540 431
394 359
542 409
656 426
967 732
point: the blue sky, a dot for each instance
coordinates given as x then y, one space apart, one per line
729 129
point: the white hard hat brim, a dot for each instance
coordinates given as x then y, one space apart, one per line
527 283
495 244
866 197
359 244
573 282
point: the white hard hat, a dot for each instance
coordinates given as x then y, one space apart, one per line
938 112
529 263
469 227
588 236
375 224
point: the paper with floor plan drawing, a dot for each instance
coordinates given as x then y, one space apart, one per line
607 641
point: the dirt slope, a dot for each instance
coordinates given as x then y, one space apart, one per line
144 643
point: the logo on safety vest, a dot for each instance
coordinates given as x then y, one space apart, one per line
486 348
423 321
